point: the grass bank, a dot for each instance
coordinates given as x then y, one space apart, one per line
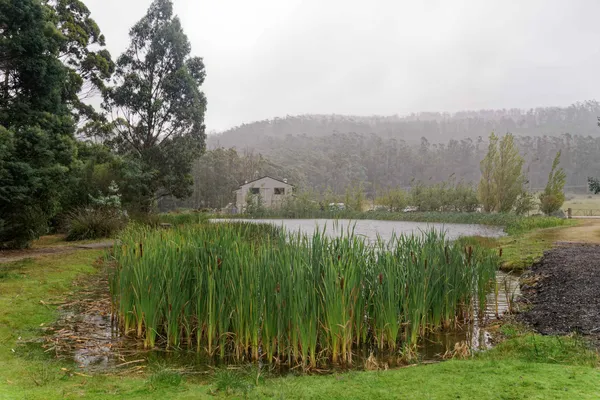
521 250
523 366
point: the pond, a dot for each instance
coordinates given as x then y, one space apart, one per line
99 345
371 229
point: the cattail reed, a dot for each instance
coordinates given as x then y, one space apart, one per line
251 292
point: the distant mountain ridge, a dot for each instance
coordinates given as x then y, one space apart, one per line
577 119
333 152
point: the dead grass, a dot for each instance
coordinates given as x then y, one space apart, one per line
49 241
583 202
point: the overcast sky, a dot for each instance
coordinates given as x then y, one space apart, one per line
269 58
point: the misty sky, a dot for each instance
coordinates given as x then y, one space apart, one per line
268 58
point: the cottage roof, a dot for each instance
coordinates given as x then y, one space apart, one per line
266 176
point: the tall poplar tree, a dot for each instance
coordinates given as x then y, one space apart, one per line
553 196
502 178
487 188
508 174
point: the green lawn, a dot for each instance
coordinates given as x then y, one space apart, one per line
521 250
525 366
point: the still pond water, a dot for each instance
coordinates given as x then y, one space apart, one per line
373 228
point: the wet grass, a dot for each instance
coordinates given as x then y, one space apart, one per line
521 250
530 347
521 225
50 241
29 293
524 366
162 377
13 271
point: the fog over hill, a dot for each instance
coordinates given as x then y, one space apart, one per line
577 119
334 151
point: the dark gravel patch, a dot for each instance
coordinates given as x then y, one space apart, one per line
563 290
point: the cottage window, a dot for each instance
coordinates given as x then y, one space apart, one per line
255 190
279 190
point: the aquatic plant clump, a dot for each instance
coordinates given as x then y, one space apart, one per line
252 292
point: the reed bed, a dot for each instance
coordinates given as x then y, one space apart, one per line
252 292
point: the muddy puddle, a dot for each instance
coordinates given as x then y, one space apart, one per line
86 335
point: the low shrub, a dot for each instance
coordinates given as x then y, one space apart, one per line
94 223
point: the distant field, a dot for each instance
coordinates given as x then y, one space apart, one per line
586 202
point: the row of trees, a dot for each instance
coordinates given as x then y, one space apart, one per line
503 186
145 137
336 161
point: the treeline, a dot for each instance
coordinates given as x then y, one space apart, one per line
334 163
337 161
335 151
577 119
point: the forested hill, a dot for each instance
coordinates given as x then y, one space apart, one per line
334 151
577 119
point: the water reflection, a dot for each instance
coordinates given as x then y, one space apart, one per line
103 348
370 229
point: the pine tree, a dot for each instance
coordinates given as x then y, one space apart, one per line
36 125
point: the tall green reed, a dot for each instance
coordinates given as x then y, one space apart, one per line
253 292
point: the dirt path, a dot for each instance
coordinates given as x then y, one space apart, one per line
563 289
17 255
587 231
